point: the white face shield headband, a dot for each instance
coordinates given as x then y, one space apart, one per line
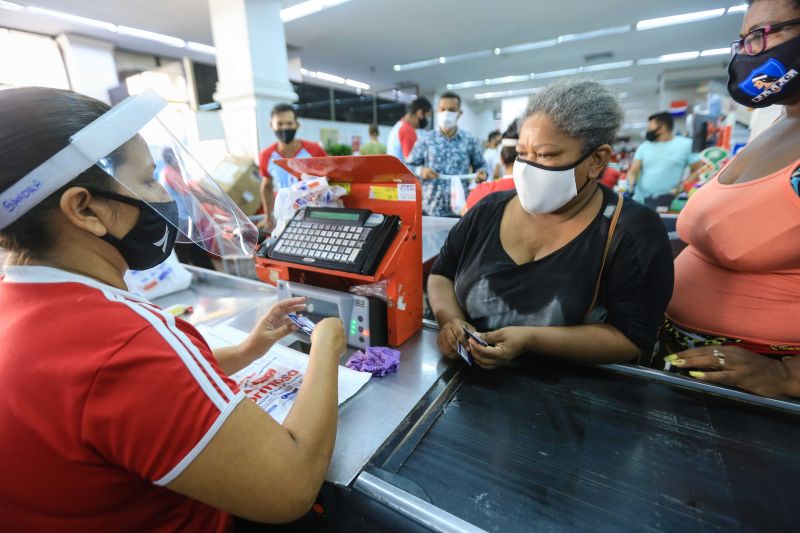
133 146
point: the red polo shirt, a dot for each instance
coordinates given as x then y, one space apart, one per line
106 399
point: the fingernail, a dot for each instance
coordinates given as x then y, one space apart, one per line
698 375
678 362
671 358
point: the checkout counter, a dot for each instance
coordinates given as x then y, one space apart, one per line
541 445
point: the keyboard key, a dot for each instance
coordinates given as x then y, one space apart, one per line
353 256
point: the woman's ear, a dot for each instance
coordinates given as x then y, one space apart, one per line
598 161
85 211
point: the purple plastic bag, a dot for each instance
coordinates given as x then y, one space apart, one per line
378 360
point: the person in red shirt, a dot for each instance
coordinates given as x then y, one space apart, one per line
285 125
403 135
508 154
117 416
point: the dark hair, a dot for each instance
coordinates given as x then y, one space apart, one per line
493 134
35 123
373 130
450 94
283 108
421 103
663 118
509 153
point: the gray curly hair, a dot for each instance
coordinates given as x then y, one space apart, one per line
581 109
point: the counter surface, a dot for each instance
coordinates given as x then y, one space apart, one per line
366 420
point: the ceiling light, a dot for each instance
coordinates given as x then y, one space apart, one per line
506 79
467 84
623 95
737 9
594 34
498 51
716 52
669 58
357 84
468 56
617 81
679 19
442 60
416 64
506 94
10 6
557 73
607 66
309 7
202 48
151 36
330 77
526 47
74 18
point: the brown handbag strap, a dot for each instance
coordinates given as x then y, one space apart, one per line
614 220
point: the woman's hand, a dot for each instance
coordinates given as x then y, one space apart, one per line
505 345
736 367
328 335
273 326
451 335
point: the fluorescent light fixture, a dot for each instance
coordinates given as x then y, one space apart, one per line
741 8
607 66
716 52
11 6
202 48
506 94
623 95
73 18
506 79
357 84
617 81
466 85
151 36
594 34
669 58
498 51
557 73
679 19
309 7
416 64
397 68
330 77
442 60
468 56
526 47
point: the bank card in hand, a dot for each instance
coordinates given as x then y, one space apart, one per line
475 336
305 325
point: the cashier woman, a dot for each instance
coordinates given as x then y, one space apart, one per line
558 267
116 415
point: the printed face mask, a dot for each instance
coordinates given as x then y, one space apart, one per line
768 78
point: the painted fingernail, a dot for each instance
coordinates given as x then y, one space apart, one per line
679 362
698 375
671 358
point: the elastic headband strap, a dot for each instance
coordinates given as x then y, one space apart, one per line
88 146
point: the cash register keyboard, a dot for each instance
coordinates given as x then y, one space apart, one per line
327 242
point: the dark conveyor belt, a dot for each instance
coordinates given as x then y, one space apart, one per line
555 447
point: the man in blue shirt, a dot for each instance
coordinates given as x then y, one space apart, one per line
448 151
659 164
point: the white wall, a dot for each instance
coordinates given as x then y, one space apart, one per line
310 130
511 109
478 122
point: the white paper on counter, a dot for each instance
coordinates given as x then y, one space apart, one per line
273 380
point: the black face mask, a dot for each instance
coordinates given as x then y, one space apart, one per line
286 135
149 243
768 78
651 135
423 123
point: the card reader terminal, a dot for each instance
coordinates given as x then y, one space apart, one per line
348 240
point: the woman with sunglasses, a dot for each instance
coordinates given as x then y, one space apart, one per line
737 284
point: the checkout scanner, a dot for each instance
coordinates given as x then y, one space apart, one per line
375 240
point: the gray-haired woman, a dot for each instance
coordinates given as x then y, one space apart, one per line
560 267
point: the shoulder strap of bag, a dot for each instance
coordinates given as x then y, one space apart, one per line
611 229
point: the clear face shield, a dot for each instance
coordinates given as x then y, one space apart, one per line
148 163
